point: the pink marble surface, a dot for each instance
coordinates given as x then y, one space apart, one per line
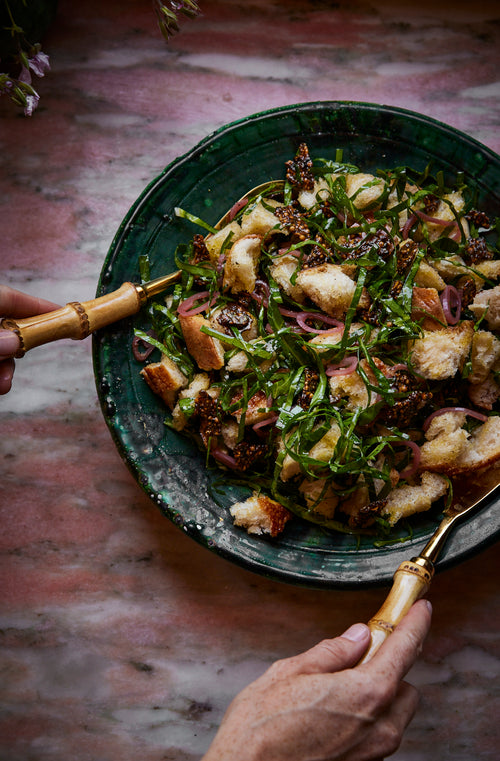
121 638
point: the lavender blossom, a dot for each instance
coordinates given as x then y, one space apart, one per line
39 63
167 14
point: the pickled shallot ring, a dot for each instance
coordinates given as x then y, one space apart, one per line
436 220
261 298
443 410
265 421
141 349
288 313
303 317
409 471
346 366
408 225
451 301
238 206
224 458
186 308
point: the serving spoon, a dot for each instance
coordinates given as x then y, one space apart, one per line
413 577
77 320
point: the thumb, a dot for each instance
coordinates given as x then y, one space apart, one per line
331 655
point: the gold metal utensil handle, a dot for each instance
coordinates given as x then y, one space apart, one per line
411 582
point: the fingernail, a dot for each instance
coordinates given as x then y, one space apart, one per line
355 633
9 342
429 605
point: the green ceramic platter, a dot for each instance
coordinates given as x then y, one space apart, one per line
206 181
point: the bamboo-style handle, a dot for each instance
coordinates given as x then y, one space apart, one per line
411 582
76 320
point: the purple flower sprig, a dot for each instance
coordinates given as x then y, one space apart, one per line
167 14
29 58
20 88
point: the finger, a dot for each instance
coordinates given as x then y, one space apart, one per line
6 373
399 651
384 736
328 656
15 303
9 344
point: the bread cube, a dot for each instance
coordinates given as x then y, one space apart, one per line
309 198
319 499
259 221
441 353
200 382
365 190
328 287
165 379
207 351
282 270
488 301
260 515
241 266
215 241
407 500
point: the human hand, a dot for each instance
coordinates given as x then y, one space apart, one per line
320 706
15 304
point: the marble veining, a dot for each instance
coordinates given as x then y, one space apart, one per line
119 636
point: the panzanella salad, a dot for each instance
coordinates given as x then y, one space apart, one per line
334 345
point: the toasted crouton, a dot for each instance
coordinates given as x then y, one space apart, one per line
323 450
426 306
365 190
444 448
207 351
450 205
256 409
486 393
309 198
441 353
319 498
489 269
260 220
484 354
446 423
328 287
487 303
260 515
282 269
324 342
240 361
242 261
478 450
290 467
406 500
215 241
165 379
200 382
428 277
353 388
482 448
451 266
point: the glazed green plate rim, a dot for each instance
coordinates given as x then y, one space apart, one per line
169 468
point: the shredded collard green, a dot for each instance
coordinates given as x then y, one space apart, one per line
334 346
